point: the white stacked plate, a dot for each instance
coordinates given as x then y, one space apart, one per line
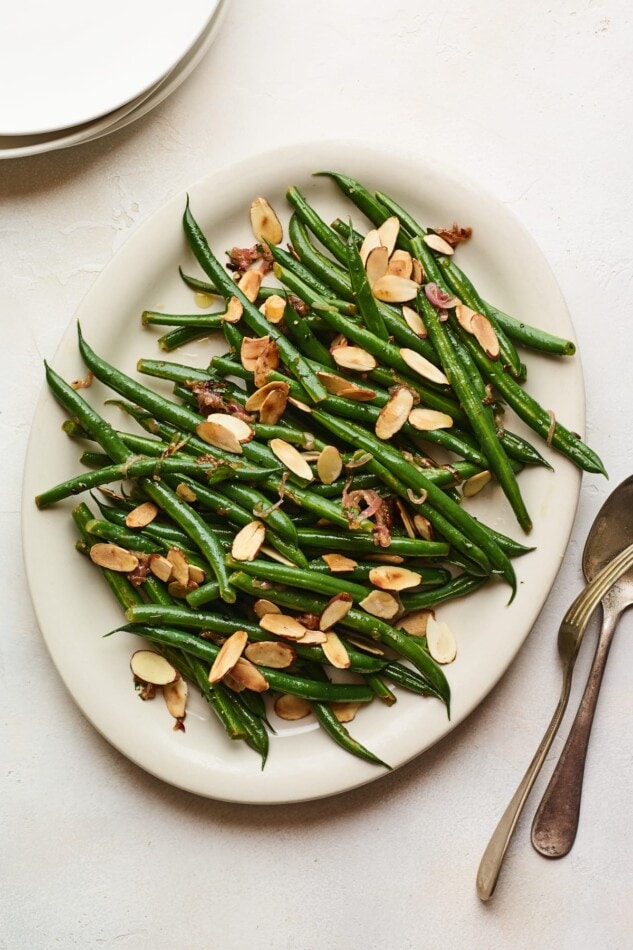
78 72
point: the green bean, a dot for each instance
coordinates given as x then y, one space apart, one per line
362 198
431 576
126 594
305 284
310 580
532 337
197 321
380 688
216 695
300 332
365 299
457 587
355 543
132 541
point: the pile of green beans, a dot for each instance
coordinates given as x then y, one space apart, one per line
205 494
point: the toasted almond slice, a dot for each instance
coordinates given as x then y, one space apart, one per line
394 413
379 603
427 420
484 333
473 485
393 289
415 622
415 322
371 240
339 564
265 223
339 340
423 367
266 363
329 464
394 578
385 558
292 708
249 676
234 685
256 399
312 638
179 566
176 698
240 429
178 590
271 653
335 609
263 607
141 515
219 436
160 567
249 284
345 712
465 316
357 394
333 383
273 407
409 527
150 667
113 557
302 406
388 233
234 311
251 350
228 656
311 455
276 556
335 652
186 493
440 641
196 575
366 645
353 357
282 626
401 264
291 458
274 308
376 264
248 541
424 527
437 243
417 273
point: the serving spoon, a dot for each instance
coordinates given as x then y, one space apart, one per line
556 820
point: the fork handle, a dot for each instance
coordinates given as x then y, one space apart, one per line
556 820
494 854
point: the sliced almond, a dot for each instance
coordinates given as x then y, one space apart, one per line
150 667
394 578
196 575
424 527
335 609
219 435
228 656
394 289
385 558
141 515
381 604
365 645
234 311
274 308
302 406
437 243
249 676
465 316
394 413
473 485
423 367
266 363
312 638
265 223
180 591
405 517
333 383
160 567
415 622
234 685
179 566
484 333
240 429
370 241
251 350
263 607
415 322
329 464
273 407
186 493
249 284
417 273
427 420
339 340
113 557
256 399
388 233
291 458
282 626
335 652
176 698
354 358
357 394
440 641
339 564
401 264
248 541
311 455
292 708
271 653
345 712
376 264
276 556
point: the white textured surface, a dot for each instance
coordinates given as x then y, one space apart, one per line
533 103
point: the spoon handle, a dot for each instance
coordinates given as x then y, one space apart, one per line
556 820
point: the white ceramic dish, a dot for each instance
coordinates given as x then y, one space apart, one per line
24 146
67 65
73 606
